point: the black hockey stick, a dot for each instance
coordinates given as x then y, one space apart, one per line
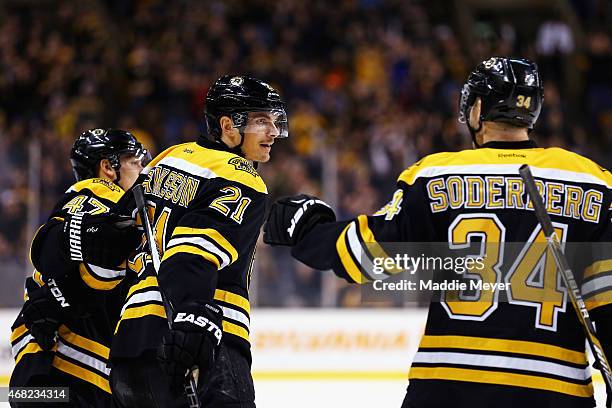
554 245
191 386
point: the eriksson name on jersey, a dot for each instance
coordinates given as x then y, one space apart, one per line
171 185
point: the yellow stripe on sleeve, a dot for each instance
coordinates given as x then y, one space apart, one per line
598 300
371 244
85 343
598 267
233 299
141 311
503 345
148 282
37 276
18 332
347 261
94 282
211 233
235 330
188 249
81 373
501 378
30 348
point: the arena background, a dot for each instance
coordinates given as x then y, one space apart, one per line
371 86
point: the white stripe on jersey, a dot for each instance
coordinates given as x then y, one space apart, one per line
187 167
596 284
22 343
360 255
236 315
86 359
106 273
511 169
141 298
209 246
493 361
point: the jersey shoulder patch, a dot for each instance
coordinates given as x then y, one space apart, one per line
209 163
102 188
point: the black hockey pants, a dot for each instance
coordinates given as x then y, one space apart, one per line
140 383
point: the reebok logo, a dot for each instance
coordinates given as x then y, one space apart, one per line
74 235
200 321
92 230
57 293
300 213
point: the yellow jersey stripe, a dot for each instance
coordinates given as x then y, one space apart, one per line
18 332
345 257
37 276
141 311
148 282
160 156
233 299
501 378
81 373
211 233
507 346
102 188
370 242
235 330
598 300
188 249
554 159
598 267
30 348
213 163
84 343
94 282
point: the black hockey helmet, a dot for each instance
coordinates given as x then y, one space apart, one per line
96 144
511 92
235 96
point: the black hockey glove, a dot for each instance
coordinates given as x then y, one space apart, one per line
43 311
290 218
192 341
104 240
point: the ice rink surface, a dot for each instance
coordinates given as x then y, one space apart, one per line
337 393
356 359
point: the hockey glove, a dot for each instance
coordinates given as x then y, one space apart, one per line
290 218
104 240
192 341
42 312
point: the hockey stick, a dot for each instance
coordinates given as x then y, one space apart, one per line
191 386
554 245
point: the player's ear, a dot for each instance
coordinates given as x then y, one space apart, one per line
226 124
105 170
475 113
228 134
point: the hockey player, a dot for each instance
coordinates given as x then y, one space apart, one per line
207 202
479 351
63 334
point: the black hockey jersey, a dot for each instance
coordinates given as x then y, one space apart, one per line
510 338
80 357
207 207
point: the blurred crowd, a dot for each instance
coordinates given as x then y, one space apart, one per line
371 86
